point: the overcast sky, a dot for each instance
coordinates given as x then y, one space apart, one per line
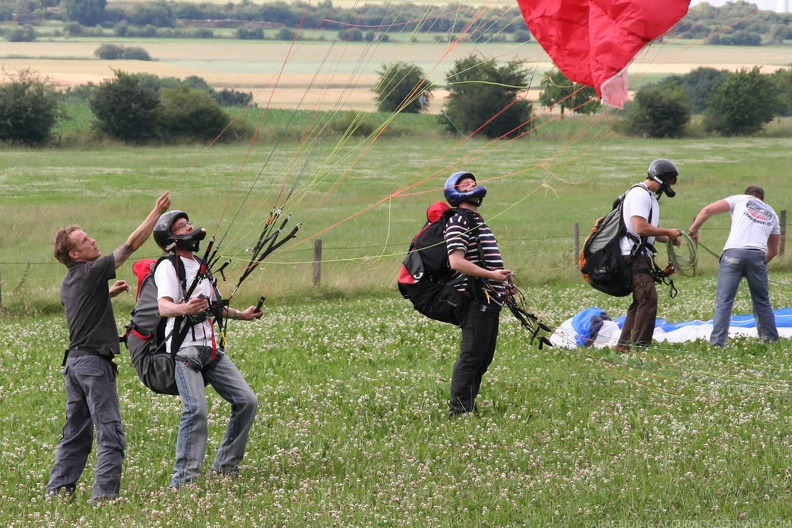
768 5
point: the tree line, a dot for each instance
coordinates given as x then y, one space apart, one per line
485 98
280 20
729 103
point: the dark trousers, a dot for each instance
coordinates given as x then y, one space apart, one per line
477 348
91 402
639 325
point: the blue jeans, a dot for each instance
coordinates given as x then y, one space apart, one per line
734 265
91 402
193 427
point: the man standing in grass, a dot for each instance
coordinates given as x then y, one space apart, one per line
474 256
641 214
753 241
189 299
89 370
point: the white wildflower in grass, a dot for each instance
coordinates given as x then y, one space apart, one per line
352 427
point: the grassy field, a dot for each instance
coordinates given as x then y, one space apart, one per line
352 430
362 197
353 383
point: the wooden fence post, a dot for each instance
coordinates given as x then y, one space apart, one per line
317 263
576 243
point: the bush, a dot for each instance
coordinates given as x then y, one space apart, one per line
126 110
483 98
115 52
109 52
228 97
658 112
191 113
135 53
121 29
286 34
402 87
28 109
742 104
73 29
202 33
23 34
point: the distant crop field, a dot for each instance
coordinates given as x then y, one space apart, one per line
331 74
320 72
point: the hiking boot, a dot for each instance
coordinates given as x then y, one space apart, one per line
231 473
98 500
61 491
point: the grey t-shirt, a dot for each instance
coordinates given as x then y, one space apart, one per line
85 296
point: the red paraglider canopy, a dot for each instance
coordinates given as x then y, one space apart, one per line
593 41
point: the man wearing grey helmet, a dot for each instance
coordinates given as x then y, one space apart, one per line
196 305
641 214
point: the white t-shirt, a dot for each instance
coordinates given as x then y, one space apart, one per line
752 223
168 285
639 202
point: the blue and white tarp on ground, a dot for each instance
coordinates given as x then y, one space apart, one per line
577 331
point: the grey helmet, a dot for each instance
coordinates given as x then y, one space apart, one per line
165 239
662 171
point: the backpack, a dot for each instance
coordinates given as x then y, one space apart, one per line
600 261
145 333
425 277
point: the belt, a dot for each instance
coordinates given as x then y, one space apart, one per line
76 352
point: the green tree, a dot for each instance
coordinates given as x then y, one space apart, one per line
109 52
699 85
191 113
86 12
743 104
25 33
28 109
783 82
157 14
125 109
351 35
557 89
484 97
402 87
658 111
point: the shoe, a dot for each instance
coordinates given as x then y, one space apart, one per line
622 348
61 491
231 473
101 499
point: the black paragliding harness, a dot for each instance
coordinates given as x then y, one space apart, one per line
516 302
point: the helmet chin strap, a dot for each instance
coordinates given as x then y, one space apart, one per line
191 241
664 188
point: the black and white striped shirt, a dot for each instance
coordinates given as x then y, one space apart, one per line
468 231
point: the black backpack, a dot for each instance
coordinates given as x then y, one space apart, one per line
601 261
425 277
145 333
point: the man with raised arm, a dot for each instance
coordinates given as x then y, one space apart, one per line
88 367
